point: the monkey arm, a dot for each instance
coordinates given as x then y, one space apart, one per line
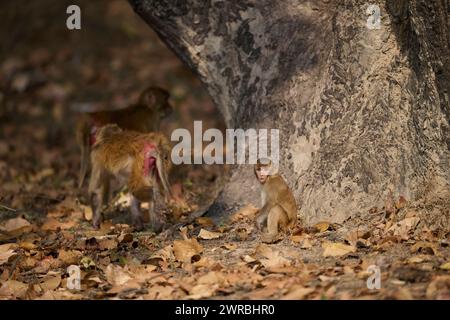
261 219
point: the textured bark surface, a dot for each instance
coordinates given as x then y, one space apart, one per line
360 111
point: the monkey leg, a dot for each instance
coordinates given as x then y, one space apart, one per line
136 214
95 205
155 219
99 187
261 219
276 219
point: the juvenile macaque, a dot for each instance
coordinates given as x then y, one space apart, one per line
279 210
139 160
145 116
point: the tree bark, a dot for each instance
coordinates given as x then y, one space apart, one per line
361 112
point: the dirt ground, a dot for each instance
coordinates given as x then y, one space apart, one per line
45 228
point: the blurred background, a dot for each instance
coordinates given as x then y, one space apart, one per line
46 71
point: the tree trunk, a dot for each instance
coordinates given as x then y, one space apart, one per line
362 112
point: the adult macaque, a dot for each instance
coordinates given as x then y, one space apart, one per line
145 116
139 160
279 210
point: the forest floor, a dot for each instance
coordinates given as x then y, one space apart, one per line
45 227
202 260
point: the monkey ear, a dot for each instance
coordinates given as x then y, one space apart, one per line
273 169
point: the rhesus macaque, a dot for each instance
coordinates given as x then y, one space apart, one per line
139 160
279 209
145 116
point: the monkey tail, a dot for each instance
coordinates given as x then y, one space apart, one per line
85 159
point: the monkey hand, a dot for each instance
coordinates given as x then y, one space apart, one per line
261 221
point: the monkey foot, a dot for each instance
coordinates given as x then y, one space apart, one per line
138 223
96 223
269 238
158 227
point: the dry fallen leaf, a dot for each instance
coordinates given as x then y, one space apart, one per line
41 175
416 259
129 285
202 291
445 266
208 235
7 246
107 243
402 294
165 254
125 237
44 265
60 294
401 202
187 250
439 284
87 212
242 233
4 256
263 293
13 288
271 258
27 245
204 262
297 292
52 224
247 212
204 221
160 292
425 248
229 246
212 277
50 283
116 276
69 257
16 226
297 238
352 237
87 262
336 249
248 259
306 244
322 226
404 227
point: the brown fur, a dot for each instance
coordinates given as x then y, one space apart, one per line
118 153
279 209
145 116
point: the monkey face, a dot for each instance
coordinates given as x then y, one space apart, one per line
158 99
262 172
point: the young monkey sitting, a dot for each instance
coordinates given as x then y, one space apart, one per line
139 160
279 209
